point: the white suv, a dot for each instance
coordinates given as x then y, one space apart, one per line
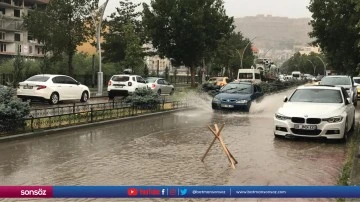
123 85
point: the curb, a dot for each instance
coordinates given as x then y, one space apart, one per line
87 125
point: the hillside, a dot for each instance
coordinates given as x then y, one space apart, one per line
275 32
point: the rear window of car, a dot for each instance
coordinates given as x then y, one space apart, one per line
335 81
357 80
120 78
317 96
151 80
38 78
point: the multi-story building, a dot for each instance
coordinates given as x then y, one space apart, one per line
155 63
13 36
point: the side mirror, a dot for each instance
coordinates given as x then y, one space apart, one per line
286 99
347 101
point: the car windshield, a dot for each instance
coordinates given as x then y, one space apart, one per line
357 80
120 78
237 88
317 96
335 81
151 80
38 78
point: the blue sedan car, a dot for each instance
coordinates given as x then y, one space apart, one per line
237 95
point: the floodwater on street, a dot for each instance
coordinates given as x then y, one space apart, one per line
166 150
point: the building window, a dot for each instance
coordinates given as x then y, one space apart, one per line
17 13
30 50
2 11
19 48
2 47
18 3
6 1
2 35
17 37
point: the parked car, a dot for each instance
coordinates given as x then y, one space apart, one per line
124 84
160 85
215 83
343 81
318 78
316 111
53 88
357 84
237 95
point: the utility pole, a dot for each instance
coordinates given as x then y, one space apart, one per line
97 22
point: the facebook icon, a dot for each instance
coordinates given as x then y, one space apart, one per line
163 192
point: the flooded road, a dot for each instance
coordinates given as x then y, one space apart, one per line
166 150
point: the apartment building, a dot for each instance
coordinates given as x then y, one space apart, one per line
13 36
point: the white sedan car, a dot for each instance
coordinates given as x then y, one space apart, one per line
53 88
316 111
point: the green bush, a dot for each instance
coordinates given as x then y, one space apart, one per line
143 98
278 85
12 110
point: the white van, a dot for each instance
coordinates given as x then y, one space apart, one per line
296 75
251 75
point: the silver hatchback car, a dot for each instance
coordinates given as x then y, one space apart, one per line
160 85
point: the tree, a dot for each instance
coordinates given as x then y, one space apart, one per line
133 51
167 73
186 30
146 71
228 54
307 64
116 43
18 68
336 32
62 25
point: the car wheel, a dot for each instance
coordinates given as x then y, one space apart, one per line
159 92
110 95
84 97
277 136
172 92
345 136
54 98
353 125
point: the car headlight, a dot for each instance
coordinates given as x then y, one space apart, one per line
241 102
216 99
282 117
334 119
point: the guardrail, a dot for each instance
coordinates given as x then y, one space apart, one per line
70 116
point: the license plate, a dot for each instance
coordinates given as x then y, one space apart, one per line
28 87
118 86
305 127
227 106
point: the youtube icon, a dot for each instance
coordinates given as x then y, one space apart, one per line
132 192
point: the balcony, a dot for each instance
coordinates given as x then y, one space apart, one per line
14 26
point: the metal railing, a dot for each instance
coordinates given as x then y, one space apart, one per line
87 114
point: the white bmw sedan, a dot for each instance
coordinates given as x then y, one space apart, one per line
316 111
53 88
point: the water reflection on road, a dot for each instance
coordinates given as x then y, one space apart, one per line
166 150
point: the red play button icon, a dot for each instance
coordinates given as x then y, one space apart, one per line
132 192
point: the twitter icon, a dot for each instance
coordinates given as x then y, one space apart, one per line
183 192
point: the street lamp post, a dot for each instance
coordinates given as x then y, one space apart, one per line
313 66
323 64
242 55
101 13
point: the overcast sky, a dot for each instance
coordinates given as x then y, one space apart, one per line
241 8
